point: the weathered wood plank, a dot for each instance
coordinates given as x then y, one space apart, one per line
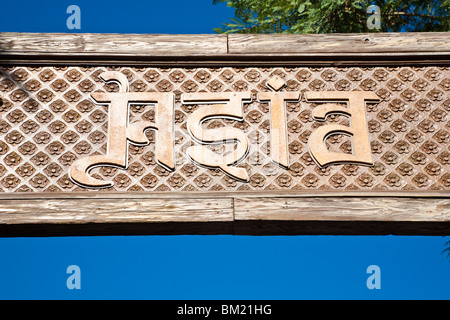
111 44
98 213
68 211
328 44
231 47
342 216
342 209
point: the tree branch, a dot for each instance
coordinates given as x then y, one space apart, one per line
413 15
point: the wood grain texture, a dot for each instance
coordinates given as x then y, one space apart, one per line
111 211
130 45
225 50
331 208
369 43
254 213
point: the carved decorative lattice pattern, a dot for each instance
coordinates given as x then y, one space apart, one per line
47 121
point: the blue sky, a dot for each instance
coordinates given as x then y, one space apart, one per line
113 16
203 267
224 267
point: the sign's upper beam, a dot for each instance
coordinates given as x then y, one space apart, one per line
123 45
436 43
375 48
118 45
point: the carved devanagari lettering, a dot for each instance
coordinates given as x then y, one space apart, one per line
222 105
355 109
121 132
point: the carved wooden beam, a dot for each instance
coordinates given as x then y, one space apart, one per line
245 213
208 50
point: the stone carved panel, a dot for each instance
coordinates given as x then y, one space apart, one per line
48 121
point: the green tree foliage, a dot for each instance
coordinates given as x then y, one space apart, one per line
334 16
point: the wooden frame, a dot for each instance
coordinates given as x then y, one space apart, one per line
271 212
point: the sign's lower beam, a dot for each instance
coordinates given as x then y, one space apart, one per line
228 213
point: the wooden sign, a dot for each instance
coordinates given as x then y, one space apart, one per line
343 134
